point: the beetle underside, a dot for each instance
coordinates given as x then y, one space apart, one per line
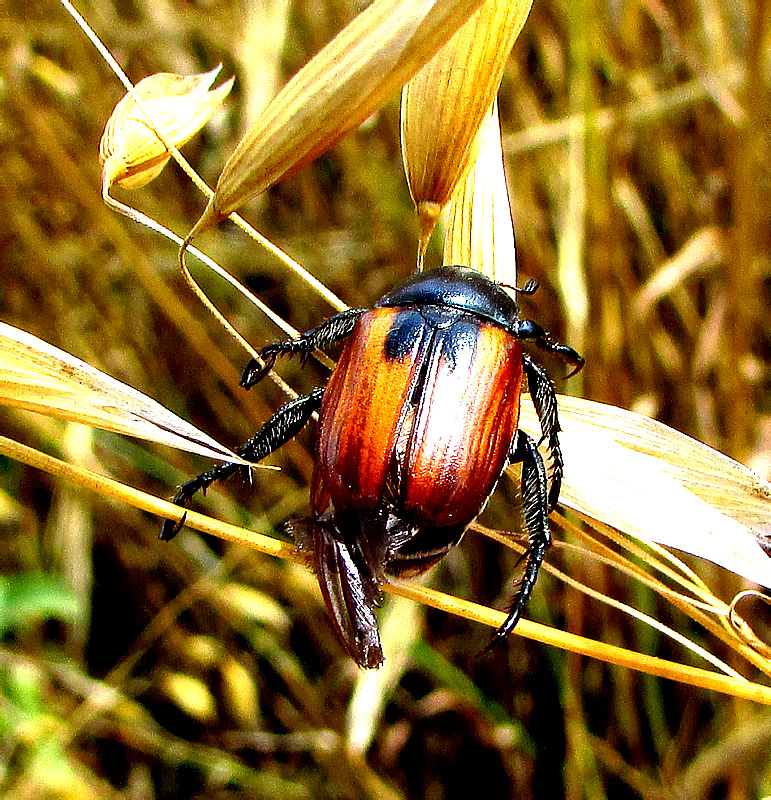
351 568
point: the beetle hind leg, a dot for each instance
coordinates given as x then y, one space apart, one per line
285 424
534 494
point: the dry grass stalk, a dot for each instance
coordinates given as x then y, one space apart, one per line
454 605
336 91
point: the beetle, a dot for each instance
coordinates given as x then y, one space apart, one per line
417 423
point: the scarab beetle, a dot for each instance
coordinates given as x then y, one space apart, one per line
416 425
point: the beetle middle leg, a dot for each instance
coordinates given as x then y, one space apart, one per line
543 394
534 495
284 425
335 328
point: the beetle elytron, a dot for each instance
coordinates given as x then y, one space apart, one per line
417 423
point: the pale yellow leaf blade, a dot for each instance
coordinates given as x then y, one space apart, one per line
338 89
401 626
36 376
446 104
658 485
479 232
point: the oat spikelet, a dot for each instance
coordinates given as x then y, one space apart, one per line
366 63
130 151
447 103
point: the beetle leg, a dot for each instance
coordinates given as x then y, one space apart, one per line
545 401
285 424
324 335
524 449
527 329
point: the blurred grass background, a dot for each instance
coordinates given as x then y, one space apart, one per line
637 136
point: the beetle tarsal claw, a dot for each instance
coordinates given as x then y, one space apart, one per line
171 528
254 372
394 486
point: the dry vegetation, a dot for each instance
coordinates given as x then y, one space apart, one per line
637 138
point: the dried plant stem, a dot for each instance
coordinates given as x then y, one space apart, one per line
284 258
618 562
149 222
571 270
588 647
314 283
640 112
647 619
718 91
709 611
686 604
267 544
277 320
146 502
688 582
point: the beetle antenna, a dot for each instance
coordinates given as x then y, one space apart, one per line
530 287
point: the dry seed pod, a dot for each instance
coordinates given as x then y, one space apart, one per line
130 152
190 694
337 90
240 692
479 231
446 103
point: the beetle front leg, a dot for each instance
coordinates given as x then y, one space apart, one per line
284 425
335 328
545 402
527 329
534 495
